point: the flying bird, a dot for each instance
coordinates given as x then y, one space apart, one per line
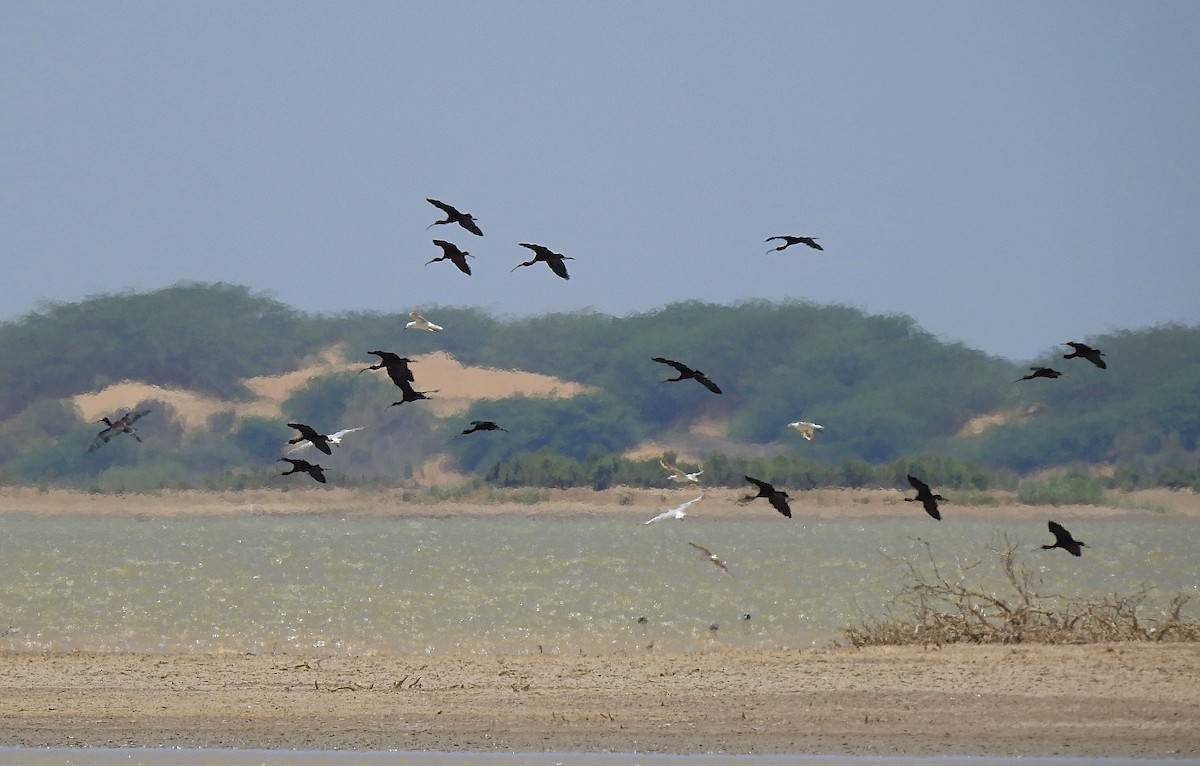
712 557
788 241
547 256
303 466
450 252
1084 351
334 438
1040 372
310 434
409 394
1063 539
396 366
421 323
686 373
925 496
677 474
482 425
776 497
677 512
122 425
806 429
453 215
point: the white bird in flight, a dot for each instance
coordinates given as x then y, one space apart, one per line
334 438
674 513
678 474
806 429
421 323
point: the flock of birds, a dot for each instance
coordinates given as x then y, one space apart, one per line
400 374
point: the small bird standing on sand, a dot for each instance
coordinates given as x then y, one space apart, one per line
776 497
1040 372
712 557
789 240
1084 351
687 373
303 466
1063 539
421 323
925 496
453 215
675 513
806 429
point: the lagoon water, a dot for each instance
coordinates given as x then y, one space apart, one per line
520 583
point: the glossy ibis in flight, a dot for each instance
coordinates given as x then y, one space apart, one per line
122 425
334 438
678 512
310 434
789 240
925 496
686 373
303 466
806 429
396 366
1063 539
776 497
547 256
482 425
408 394
453 215
450 252
421 323
1084 351
1040 372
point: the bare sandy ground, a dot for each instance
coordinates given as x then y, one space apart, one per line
1102 700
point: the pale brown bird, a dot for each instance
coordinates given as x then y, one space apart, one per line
712 557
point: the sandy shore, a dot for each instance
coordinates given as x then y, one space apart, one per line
1112 700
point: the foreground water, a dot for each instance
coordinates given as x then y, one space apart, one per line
516 584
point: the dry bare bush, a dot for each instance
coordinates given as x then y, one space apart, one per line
931 608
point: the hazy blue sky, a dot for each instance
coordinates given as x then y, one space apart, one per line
1011 174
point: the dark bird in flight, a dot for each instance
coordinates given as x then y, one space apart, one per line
1040 372
303 466
450 252
925 496
1084 351
408 394
686 372
547 256
396 366
1063 539
122 425
788 241
310 434
712 557
483 425
776 497
453 215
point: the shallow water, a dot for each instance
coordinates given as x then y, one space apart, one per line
516 584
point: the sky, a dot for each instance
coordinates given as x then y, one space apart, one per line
1012 175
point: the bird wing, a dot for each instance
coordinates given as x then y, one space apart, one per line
762 485
1061 535
336 436
541 250
447 209
132 417
558 267
780 503
469 224
920 486
683 368
449 249
931 508
704 380
701 548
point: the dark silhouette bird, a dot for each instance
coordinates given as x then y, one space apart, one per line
310 434
547 256
303 466
334 439
776 497
482 425
1063 539
925 496
788 241
122 425
450 252
408 394
453 215
1040 372
1084 351
686 373
396 366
